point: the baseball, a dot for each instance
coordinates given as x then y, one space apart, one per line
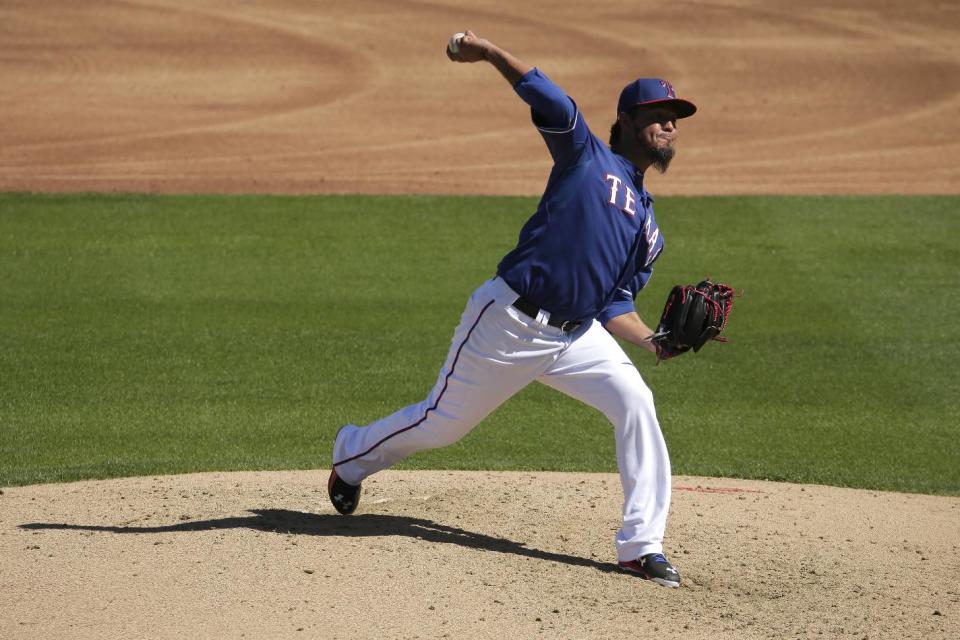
454 44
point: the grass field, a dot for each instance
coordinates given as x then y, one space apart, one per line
147 334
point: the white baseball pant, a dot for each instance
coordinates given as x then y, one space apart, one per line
495 352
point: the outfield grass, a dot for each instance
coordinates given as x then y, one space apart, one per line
144 334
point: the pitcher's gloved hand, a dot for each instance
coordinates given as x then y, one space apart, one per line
692 316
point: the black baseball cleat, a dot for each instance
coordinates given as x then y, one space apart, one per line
654 567
344 497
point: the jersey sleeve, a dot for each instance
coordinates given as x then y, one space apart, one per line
623 298
554 114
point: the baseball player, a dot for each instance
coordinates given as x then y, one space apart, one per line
549 312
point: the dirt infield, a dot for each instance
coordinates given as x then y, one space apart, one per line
468 555
848 96
303 97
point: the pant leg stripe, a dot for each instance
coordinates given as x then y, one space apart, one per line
446 380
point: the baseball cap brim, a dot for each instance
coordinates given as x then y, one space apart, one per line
683 108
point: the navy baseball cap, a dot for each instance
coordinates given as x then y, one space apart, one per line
654 91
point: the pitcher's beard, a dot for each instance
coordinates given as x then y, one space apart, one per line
660 157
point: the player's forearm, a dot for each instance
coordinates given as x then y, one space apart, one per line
470 47
631 328
510 67
551 108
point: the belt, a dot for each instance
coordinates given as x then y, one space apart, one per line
532 310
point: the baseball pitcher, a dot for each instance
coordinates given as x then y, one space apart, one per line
555 303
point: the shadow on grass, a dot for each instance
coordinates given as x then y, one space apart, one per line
300 523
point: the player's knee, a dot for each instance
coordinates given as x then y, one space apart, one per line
445 433
634 400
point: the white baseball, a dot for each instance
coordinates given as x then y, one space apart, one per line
454 44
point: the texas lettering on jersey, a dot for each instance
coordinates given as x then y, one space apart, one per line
623 198
652 233
629 198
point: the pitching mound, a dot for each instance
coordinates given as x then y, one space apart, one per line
468 555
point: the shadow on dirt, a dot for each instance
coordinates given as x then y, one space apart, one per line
310 524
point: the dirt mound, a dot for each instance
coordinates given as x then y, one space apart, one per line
434 554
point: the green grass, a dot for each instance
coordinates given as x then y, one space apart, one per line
144 335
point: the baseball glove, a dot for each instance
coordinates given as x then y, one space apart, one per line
692 316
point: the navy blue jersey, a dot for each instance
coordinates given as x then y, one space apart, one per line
591 244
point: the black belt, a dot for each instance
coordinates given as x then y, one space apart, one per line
532 310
